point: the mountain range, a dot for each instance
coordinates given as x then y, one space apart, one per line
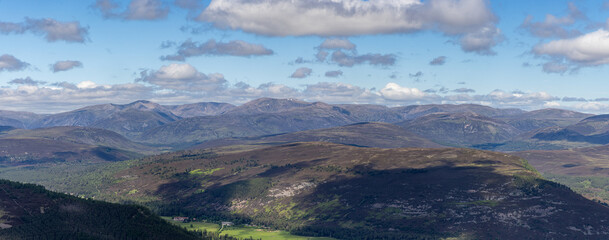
346 171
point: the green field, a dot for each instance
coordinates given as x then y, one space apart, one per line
243 232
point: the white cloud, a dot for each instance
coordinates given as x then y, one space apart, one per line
470 20
183 77
393 91
500 97
587 49
592 107
87 85
481 41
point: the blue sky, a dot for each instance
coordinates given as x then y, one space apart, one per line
59 55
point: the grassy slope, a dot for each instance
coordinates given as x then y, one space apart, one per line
347 192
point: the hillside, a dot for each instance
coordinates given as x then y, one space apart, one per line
25 151
381 135
268 105
415 111
576 162
31 212
585 170
199 109
356 193
460 129
372 113
543 118
82 135
17 119
591 130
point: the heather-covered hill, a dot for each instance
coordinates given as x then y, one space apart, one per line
349 192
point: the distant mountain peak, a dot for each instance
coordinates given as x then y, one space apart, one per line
269 105
142 105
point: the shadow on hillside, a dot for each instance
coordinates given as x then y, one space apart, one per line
365 203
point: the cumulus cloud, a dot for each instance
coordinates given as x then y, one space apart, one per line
592 107
51 29
471 21
481 40
554 26
334 74
11 63
438 61
183 77
60 66
393 91
26 81
302 72
136 10
211 47
587 50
